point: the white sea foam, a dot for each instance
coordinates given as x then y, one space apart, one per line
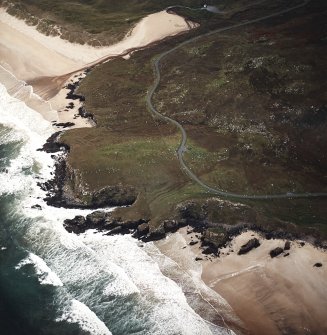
19 89
29 127
79 313
105 273
15 114
188 275
10 136
45 275
120 285
170 312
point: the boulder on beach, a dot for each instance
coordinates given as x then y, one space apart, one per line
248 246
276 252
287 245
318 265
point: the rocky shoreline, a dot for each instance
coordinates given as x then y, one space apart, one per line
210 243
107 223
212 236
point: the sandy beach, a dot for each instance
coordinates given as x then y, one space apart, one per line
207 302
269 295
40 66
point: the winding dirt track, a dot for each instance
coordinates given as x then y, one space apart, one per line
182 147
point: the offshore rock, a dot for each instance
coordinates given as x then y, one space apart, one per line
76 225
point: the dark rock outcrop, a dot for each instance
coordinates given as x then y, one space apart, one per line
170 226
142 230
133 224
105 221
120 230
207 250
71 94
54 187
276 252
70 105
53 144
155 235
97 218
64 124
76 225
287 245
251 244
209 247
117 195
84 114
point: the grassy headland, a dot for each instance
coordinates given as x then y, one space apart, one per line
253 103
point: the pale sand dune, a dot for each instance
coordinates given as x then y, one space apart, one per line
283 295
48 63
26 58
28 52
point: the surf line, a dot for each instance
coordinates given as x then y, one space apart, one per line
182 147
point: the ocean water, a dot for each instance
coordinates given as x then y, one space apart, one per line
53 282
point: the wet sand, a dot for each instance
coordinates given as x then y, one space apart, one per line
282 295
